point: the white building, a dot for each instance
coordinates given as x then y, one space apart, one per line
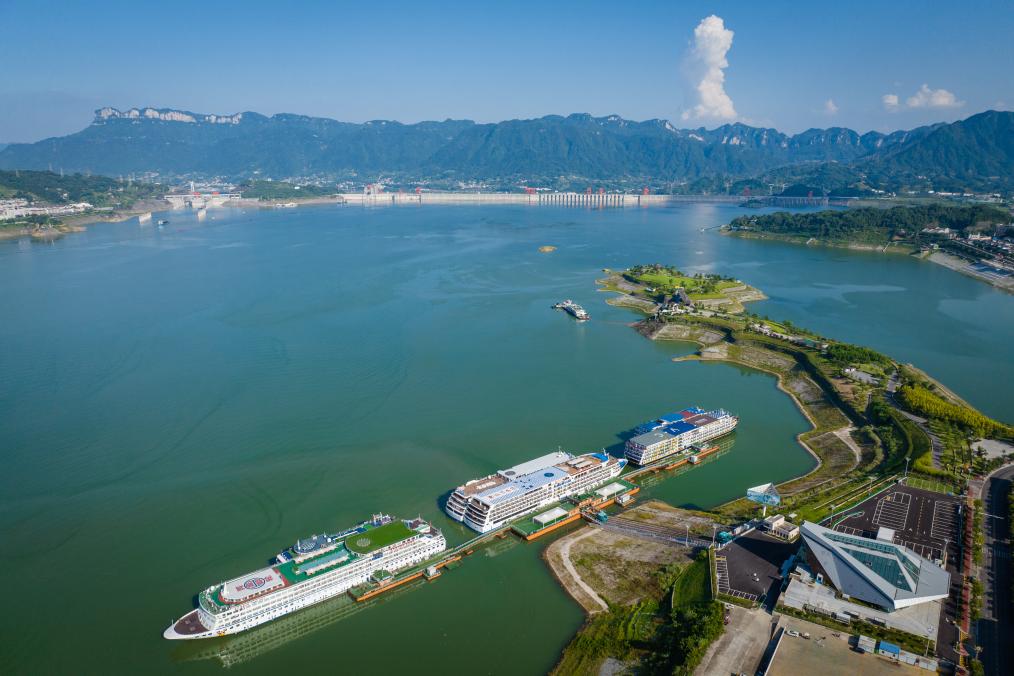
875 570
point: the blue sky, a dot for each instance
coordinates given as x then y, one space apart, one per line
502 60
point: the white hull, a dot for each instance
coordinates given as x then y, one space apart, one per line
481 518
299 596
679 444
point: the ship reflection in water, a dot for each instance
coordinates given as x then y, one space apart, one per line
649 479
249 645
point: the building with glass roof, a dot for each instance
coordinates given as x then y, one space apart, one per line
875 570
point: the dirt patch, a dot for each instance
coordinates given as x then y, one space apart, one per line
837 459
767 359
621 568
672 331
641 304
745 294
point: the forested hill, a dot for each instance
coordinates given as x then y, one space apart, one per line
50 188
870 225
551 151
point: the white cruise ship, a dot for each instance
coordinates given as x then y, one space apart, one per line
677 432
491 502
313 570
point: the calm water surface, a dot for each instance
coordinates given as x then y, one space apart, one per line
178 405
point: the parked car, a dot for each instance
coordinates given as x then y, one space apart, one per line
792 632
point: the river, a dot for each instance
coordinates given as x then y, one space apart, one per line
180 404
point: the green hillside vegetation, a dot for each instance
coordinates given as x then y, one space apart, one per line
278 190
563 152
869 225
665 280
50 188
922 401
976 153
844 354
668 636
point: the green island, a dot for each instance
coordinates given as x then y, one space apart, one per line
653 608
662 286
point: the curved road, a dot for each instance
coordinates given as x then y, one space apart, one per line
994 630
565 558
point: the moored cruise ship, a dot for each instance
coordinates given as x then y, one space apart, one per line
677 432
491 502
311 571
573 309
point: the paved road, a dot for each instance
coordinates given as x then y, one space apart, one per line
995 629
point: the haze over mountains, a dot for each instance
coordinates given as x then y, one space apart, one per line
972 154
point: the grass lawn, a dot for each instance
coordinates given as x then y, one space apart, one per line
375 538
666 282
692 586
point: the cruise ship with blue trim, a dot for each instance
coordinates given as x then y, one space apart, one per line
494 501
677 432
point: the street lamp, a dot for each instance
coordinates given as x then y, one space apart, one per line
714 527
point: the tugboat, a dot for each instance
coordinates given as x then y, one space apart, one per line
574 309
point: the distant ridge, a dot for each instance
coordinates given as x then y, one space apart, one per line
976 153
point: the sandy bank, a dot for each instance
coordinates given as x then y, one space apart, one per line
964 267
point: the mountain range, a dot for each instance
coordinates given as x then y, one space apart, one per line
972 154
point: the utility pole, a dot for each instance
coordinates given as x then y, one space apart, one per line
906 465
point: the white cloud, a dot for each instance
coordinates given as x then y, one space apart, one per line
830 107
712 41
933 98
923 98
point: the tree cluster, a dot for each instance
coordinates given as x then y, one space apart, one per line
920 400
872 226
51 188
842 354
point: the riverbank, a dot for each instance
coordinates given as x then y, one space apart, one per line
635 582
828 440
81 222
956 263
888 247
967 268
832 403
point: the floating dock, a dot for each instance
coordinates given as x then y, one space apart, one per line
570 511
692 458
363 593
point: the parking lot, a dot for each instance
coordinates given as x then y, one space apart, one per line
828 654
924 521
749 566
929 524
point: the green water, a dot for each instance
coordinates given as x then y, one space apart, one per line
178 405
